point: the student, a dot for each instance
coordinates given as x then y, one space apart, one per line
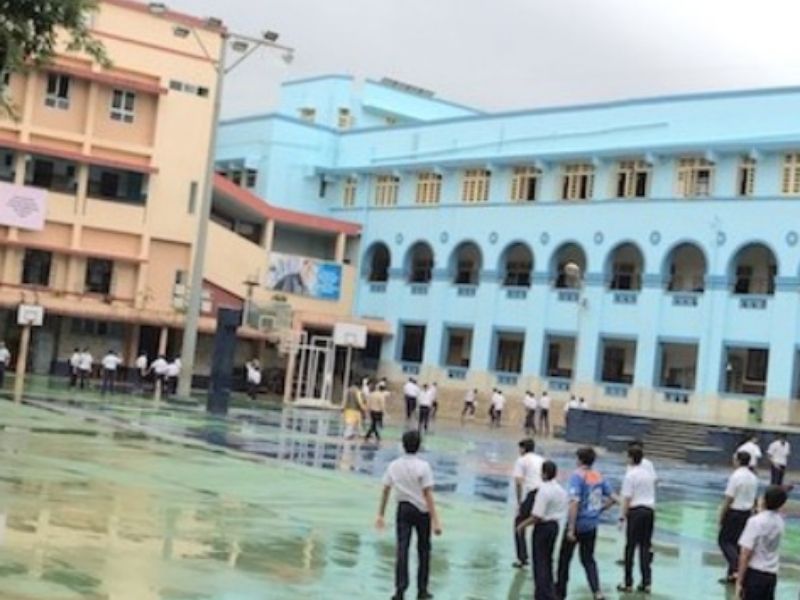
589 496
433 390
544 414
549 509
740 498
470 404
425 404
74 367
141 370
759 543
171 377
531 404
527 476
496 411
253 369
638 510
411 478
583 404
571 405
376 404
752 448
778 453
159 370
85 363
110 364
353 412
411 393
5 361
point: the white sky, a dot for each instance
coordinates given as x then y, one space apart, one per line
507 54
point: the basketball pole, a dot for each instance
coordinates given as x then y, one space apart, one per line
22 361
347 365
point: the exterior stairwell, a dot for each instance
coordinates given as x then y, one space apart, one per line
671 439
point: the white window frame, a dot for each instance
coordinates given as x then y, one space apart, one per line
308 114
349 192
429 188
790 182
345 119
57 99
577 182
475 187
746 178
627 176
123 113
690 177
386 189
521 179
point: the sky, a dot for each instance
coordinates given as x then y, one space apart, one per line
514 54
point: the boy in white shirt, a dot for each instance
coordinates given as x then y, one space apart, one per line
411 393
753 449
253 369
638 509
425 405
85 363
527 476
740 499
498 403
470 405
5 361
759 544
110 364
778 453
74 367
544 414
531 404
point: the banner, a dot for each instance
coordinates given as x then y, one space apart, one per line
22 206
304 276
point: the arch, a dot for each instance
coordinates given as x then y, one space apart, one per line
568 253
466 262
753 270
516 265
684 268
378 259
624 267
419 263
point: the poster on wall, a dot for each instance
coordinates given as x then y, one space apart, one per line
22 206
304 276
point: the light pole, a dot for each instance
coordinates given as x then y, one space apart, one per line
247 46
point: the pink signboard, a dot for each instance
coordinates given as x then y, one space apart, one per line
22 206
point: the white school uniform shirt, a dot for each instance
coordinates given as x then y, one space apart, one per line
141 363
85 361
551 502
411 389
639 486
528 468
5 356
762 535
110 362
425 398
646 464
743 488
498 401
530 402
173 368
253 374
753 450
75 360
408 476
470 397
544 402
433 391
573 403
159 366
779 452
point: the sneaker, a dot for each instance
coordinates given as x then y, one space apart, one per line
520 564
424 596
625 589
643 589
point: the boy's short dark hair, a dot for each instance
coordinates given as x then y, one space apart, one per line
549 470
743 458
775 497
586 456
635 454
411 442
527 445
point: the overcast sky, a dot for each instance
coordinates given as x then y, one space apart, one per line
508 54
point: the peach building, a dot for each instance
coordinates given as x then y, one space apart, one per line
121 152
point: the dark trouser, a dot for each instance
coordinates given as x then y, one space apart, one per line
435 409
424 417
544 541
376 423
519 536
775 476
2 373
639 533
140 378
108 381
83 376
530 420
469 407
73 377
585 540
733 523
410 517
252 390
759 585
411 406
496 416
544 420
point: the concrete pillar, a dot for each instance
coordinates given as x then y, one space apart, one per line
132 344
163 338
269 235
341 246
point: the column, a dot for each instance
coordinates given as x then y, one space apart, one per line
269 235
163 338
341 245
132 344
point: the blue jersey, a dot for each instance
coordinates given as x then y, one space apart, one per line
591 491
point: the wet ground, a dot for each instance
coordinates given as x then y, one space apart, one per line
121 500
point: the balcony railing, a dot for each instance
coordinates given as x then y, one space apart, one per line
458 373
411 368
685 299
568 295
626 297
419 289
377 288
676 396
509 379
617 390
515 293
753 302
467 291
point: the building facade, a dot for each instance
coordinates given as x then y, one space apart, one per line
642 254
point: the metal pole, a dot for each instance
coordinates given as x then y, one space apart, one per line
347 365
22 361
198 264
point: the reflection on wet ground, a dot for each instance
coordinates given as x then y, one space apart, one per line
122 501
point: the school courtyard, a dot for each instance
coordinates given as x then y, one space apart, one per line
123 499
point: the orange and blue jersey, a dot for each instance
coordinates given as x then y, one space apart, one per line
590 490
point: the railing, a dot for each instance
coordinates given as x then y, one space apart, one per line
377 288
626 297
96 190
411 369
419 289
618 390
509 379
568 295
516 293
756 303
559 385
685 299
467 291
676 396
458 373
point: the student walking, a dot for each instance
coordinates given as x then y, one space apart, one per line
589 496
253 372
74 367
425 405
353 412
544 414
85 363
531 405
549 509
527 476
171 376
638 510
411 478
752 448
433 390
411 393
737 506
470 405
141 371
778 453
159 370
376 404
110 363
759 549
5 361
496 409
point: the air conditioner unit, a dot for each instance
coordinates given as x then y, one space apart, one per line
267 323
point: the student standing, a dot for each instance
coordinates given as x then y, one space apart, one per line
496 411
253 370
376 404
544 414
470 404
527 476
638 510
740 499
760 541
171 377
411 478
85 363
425 405
159 370
110 364
141 371
778 453
74 367
411 393
5 361
547 512
433 390
531 404
353 412
589 496
752 448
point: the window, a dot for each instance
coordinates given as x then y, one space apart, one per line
250 178
57 91
122 106
476 186
790 185
176 85
429 188
5 77
36 267
98 275
349 192
121 186
413 345
345 118
747 177
509 348
523 184
52 174
7 166
386 187
459 347
577 182
308 114
632 179
695 177
193 188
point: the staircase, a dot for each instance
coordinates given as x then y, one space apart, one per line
670 439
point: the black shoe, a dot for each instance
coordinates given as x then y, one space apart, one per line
520 564
424 596
643 589
397 597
